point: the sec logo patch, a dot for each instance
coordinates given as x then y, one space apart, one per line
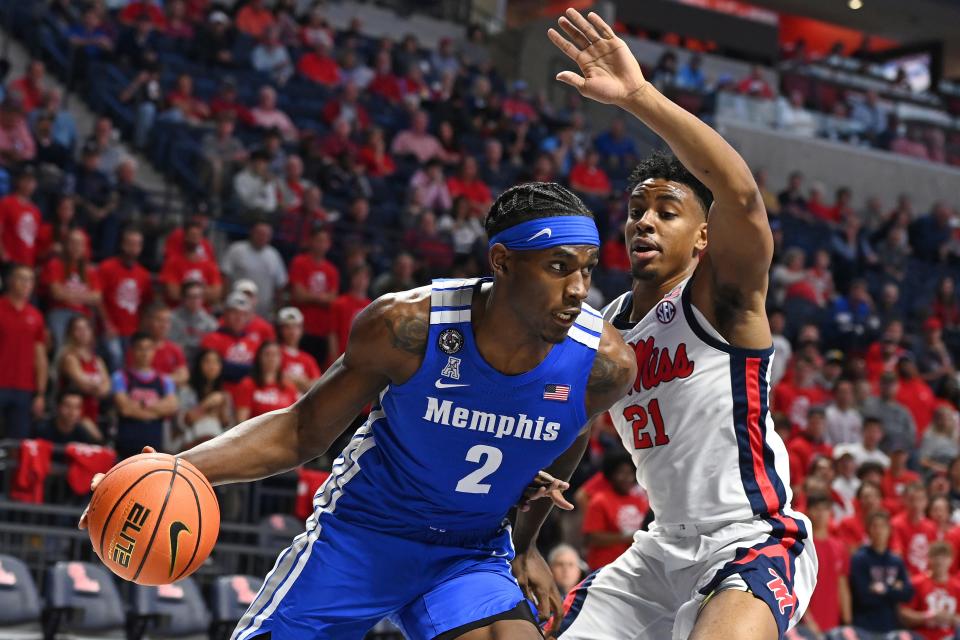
666 312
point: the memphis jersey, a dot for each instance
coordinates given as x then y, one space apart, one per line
696 419
453 448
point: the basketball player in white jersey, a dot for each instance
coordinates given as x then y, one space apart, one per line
726 557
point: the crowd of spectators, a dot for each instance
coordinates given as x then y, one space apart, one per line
116 329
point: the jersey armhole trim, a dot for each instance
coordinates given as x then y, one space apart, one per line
708 339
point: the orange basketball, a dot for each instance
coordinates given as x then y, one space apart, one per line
153 519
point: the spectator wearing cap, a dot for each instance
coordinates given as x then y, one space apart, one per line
68 423
417 141
345 308
214 45
30 86
878 579
126 287
939 446
190 321
844 424
266 115
830 604
314 286
270 57
257 325
257 260
900 430
518 104
193 264
255 188
16 143
254 19
20 221
23 376
232 342
144 400
71 284
299 367
932 355
265 389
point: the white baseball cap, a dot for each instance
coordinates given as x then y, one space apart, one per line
289 315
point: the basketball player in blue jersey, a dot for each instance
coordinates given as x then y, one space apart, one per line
476 385
726 558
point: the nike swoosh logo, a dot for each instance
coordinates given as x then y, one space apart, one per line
440 384
175 530
543 232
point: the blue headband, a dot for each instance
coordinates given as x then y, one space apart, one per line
541 233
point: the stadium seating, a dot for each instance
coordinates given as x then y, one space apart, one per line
169 611
19 601
82 603
229 599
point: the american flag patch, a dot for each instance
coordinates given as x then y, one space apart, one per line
556 392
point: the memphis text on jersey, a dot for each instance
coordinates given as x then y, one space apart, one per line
446 413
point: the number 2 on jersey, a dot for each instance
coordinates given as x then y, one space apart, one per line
470 483
639 418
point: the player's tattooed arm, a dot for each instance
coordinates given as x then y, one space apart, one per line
408 333
614 370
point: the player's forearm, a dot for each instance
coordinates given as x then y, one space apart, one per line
257 448
701 149
528 522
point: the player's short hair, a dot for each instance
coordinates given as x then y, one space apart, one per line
666 166
532 200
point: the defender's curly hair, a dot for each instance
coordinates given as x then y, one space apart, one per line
666 166
530 201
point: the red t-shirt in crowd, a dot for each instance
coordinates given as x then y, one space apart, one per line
893 486
178 270
45 241
613 255
258 328
933 596
917 396
833 564
805 450
583 177
30 92
55 272
610 512
320 69
173 246
125 290
386 86
851 531
317 277
91 404
262 399
20 331
377 167
298 363
475 191
20 221
911 540
795 401
167 358
137 9
876 364
344 309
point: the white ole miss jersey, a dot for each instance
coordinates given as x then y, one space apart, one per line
696 420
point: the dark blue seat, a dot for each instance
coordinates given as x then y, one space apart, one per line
277 530
170 611
83 601
19 601
229 598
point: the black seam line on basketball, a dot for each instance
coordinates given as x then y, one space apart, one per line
196 547
106 522
206 483
156 527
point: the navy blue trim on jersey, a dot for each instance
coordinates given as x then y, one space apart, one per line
711 340
769 458
738 384
576 606
621 320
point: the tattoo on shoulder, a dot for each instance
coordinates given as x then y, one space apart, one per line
408 334
606 375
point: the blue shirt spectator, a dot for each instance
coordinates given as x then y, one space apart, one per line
929 233
615 145
691 76
878 580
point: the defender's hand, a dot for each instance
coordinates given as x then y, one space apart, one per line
537 583
545 485
611 74
93 487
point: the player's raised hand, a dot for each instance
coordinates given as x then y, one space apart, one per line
93 487
610 72
545 485
537 583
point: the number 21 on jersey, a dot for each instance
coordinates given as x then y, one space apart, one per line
640 418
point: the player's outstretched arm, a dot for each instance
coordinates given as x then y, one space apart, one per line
614 370
741 243
386 344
